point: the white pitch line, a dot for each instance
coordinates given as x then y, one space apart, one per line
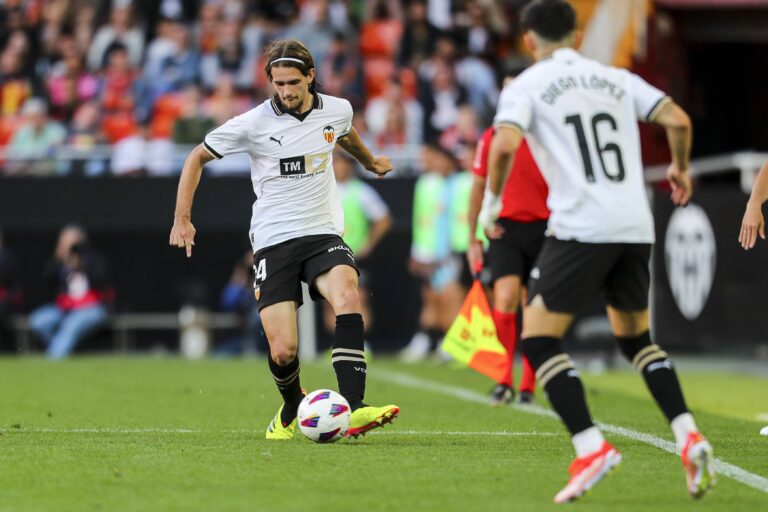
501 433
724 468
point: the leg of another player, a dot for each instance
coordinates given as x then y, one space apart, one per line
528 378
506 299
542 344
279 322
631 331
339 287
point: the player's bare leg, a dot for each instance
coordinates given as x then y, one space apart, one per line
279 322
542 344
339 287
631 331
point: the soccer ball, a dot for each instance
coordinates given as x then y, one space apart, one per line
324 416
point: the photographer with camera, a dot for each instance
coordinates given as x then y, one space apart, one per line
82 294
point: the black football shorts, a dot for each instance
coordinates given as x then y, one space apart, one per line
568 275
281 268
515 253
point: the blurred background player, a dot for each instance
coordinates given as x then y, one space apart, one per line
366 222
575 110
515 242
237 297
440 200
296 225
753 223
82 294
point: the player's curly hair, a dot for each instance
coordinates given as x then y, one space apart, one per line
551 19
290 49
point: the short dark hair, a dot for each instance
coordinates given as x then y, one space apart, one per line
291 49
551 19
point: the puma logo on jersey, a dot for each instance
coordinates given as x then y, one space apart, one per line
280 141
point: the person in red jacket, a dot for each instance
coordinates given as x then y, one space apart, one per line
515 242
80 279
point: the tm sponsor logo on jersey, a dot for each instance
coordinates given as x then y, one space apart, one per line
304 166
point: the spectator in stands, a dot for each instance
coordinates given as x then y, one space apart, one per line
393 118
238 297
313 27
419 37
15 85
82 294
465 132
84 134
441 100
192 125
10 290
479 36
118 103
225 102
30 150
70 84
119 30
231 57
341 71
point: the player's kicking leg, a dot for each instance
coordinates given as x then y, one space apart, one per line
339 286
279 321
631 329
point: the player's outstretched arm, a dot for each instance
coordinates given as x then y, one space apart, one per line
679 138
353 144
183 232
753 223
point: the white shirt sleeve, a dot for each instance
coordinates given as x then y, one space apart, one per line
348 113
515 108
648 99
373 205
228 138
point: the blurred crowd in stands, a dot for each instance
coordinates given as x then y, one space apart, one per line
144 78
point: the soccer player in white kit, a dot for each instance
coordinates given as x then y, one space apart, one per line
296 225
580 120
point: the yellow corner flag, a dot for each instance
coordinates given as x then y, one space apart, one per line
472 338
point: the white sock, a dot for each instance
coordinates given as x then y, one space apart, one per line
683 425
587 441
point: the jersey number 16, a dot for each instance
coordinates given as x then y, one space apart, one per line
597 119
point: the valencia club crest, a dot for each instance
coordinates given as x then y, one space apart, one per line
329 133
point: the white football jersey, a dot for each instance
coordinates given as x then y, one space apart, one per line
291 167
580 120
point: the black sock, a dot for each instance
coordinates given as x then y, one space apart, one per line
348 358
556 374
288 383
435 335
657 370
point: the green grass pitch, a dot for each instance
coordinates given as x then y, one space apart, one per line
114 434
